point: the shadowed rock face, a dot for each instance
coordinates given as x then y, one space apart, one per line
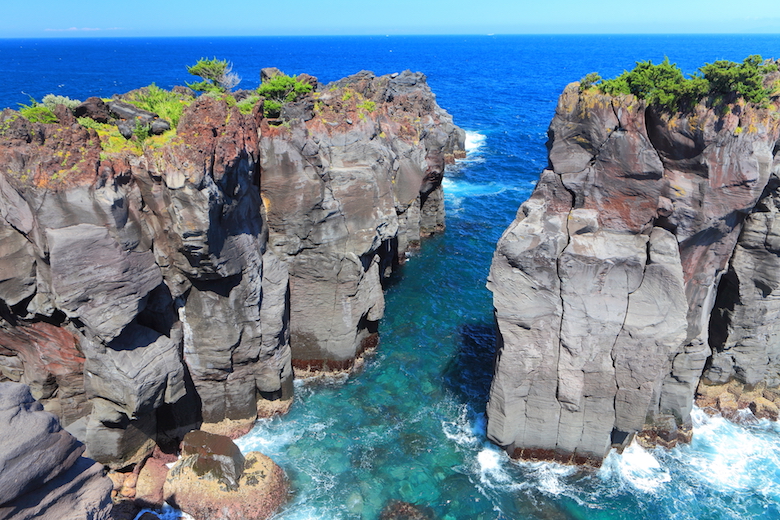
605 282
152 290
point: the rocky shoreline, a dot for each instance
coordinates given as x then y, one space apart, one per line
156 286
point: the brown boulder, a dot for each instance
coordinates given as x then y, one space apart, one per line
261 490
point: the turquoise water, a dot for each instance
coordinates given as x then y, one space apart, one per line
410 426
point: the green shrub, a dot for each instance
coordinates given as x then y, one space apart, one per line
744 79
88 122
665 86
368 106
37 113
280 90
589 80
246 105
168 105
216 74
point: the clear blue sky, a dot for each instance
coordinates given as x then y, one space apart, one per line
91 18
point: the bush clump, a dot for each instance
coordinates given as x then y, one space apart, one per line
279 90
52 100
665 86
167 105
37 113
217 75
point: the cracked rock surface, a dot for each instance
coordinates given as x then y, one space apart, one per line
604 285
154 288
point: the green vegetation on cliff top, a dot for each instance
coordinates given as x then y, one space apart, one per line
216 74
279 90
166 104
665 86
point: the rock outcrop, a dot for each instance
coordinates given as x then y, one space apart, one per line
150 288
43 474
214 480
349 186
604 285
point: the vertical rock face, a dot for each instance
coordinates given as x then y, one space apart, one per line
42 472
605 282
139 297
349 188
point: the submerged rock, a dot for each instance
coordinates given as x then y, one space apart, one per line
398 510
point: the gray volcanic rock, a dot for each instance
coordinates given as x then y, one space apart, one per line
95 280
604 283
42 472
154 289
745 323
348 191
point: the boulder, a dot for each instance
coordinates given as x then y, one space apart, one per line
213 480
129 112
94 108
267 73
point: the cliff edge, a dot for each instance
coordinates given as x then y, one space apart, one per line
642 264
161 276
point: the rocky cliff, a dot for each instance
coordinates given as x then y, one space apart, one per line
148 287
642 264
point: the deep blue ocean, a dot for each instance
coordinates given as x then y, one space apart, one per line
410 426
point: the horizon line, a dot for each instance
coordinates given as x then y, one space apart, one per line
101 33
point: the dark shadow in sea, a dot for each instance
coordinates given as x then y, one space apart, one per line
469 373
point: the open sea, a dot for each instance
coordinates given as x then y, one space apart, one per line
410 426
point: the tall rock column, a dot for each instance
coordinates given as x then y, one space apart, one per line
351 181
604 284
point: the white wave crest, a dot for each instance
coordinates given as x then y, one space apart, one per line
637 468
456 190
460 430
732 457
474 141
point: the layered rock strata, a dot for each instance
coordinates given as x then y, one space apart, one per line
156 287
604 285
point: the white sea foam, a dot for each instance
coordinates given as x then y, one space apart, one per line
474 141
637 468
270 440
460 430
733 458
493 466
456 191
